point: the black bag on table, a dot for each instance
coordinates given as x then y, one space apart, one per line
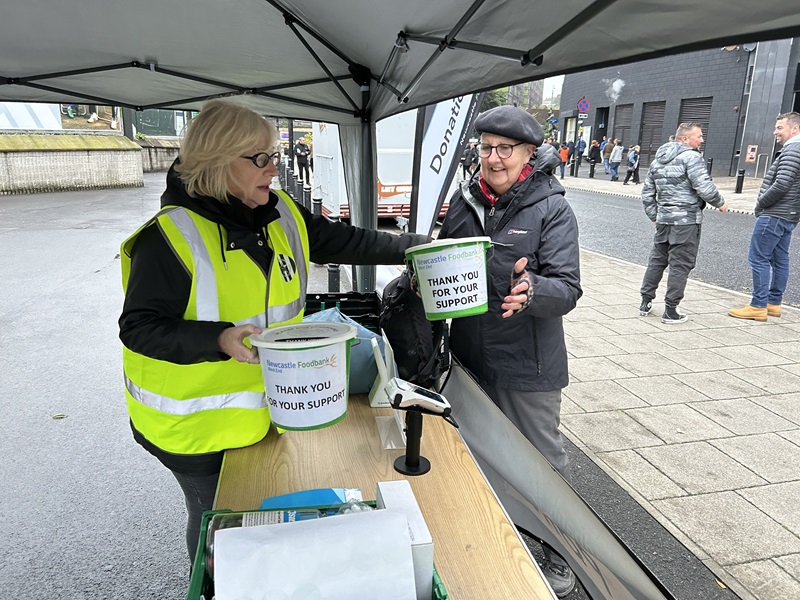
421 347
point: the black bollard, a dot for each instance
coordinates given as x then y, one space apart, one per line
709 165
316 206
739 181
591 170
333 278
572 168
296 189
307 196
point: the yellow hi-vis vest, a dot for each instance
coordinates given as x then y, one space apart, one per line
212 406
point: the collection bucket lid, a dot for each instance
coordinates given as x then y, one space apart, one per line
303 335
448 242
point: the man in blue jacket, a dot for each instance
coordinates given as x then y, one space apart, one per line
516 351
580 148
777 213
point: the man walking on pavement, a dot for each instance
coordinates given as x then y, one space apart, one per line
580 148
777 213
615 159
675 191
607 148
301 153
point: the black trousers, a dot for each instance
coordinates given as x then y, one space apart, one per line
674 246
302 172
634 174
198 491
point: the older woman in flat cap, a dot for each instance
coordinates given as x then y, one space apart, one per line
516 350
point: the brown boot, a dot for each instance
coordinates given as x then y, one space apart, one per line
774 310
749 312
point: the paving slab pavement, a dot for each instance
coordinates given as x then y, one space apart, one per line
698 421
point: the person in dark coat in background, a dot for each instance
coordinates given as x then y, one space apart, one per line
594 152
608 147
633 165
580 148
516 351
301 154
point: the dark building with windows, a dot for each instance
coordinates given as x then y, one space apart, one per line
734 93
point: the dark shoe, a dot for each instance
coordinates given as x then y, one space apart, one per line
671 315
560 577
645 307
624 183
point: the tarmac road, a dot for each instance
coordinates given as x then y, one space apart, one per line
617 226
88 513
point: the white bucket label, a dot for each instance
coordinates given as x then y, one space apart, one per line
452 280
306 388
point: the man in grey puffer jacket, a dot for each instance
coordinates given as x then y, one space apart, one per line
675 191
777 213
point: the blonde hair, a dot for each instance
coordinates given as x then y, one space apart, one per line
221 133
684 129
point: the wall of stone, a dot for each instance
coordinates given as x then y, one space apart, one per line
158 154
35 163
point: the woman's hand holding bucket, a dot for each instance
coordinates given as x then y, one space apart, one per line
521 289
231 342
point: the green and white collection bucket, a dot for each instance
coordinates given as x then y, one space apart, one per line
451 275
306 370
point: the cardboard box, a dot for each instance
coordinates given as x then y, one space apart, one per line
398 496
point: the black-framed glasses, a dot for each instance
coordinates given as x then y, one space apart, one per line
262 159
503 150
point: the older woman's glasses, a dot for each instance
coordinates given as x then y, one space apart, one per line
262 159
503 150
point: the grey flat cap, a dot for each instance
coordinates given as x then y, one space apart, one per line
511 122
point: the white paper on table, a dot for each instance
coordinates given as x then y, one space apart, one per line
357 555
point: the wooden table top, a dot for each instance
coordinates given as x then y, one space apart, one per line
477 550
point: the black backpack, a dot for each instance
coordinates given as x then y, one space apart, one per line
421 347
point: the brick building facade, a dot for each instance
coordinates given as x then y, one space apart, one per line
735 93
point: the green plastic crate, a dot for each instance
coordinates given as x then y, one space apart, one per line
202 586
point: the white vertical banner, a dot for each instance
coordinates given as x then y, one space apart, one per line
442 132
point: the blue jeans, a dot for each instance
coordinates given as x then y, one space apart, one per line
769 259
607 166
614 168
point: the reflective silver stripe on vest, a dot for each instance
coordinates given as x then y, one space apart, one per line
251 400
284 312
257 320
205 279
